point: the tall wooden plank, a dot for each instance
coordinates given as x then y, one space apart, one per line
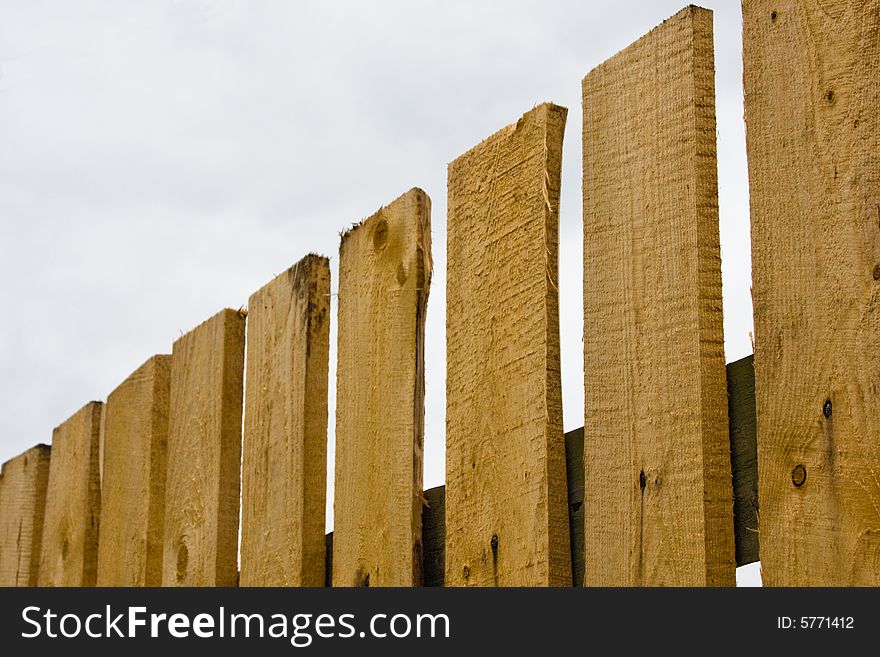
812 100
133 481
23 482
506 507
384 276
658 504
204 454
69 552
284 475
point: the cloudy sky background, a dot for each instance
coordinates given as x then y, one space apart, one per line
162 160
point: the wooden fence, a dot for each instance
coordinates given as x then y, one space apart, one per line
660 487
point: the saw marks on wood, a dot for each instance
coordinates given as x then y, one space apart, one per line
133 482
285 430
506 511
812 101
658 504
204 454
23 482
69 553
384 276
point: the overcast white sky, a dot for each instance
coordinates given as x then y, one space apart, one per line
162 160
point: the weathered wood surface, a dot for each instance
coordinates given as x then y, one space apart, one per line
23 482
204 454
741 396
658 506
69 551
135 440
284 475
741 393
812 106
743 458
507 520
384 276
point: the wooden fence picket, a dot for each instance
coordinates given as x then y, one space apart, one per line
658 506
384 275
812 107
506 511
69 550
23 482
200 537
284 473
135 440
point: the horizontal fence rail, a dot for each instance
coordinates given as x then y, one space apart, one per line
740 387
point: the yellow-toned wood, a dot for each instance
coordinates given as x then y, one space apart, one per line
204 454
133 482
69 553
506 506
812 101
658 504
384 275
284 476
23 482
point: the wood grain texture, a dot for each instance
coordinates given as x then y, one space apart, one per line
23 482
434 536
743 447
384 276
204 454
69 551
812 101
506 511
284 476
658 506
135 440
741 393
743 458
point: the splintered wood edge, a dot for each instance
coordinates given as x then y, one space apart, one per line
504 132
417 191
300 268
225 312
42 447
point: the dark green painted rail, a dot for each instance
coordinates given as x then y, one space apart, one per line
744 462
